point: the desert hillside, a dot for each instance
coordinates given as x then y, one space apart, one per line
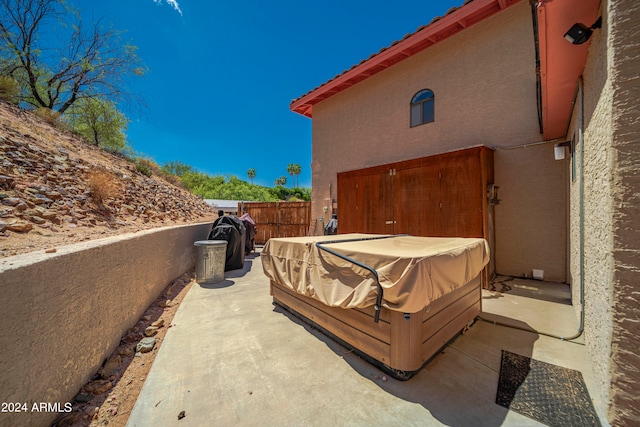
56 190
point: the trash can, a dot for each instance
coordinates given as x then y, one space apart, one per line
210 259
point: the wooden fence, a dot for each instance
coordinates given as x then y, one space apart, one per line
278 219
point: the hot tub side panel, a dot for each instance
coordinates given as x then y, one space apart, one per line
400 341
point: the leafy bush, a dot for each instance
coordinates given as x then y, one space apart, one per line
9 89
144 166
177 168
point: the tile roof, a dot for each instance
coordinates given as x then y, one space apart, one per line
455 20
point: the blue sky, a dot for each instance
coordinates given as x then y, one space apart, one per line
223 73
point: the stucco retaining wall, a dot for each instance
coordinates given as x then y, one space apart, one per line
64 313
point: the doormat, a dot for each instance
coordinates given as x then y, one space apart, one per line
550 394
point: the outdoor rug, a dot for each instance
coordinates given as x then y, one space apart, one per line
550 394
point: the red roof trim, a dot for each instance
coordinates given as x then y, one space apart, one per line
561 63
440 28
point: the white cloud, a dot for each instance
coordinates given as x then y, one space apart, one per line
172 3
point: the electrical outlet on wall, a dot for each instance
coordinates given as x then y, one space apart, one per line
537 274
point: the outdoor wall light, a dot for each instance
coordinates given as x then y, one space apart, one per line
580 33
558 149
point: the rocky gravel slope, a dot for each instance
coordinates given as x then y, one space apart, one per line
56 189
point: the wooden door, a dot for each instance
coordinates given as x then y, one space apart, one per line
377 203
461 195
413 201
350 218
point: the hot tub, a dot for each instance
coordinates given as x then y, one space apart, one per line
396 300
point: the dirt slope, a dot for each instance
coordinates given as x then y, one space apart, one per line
56 189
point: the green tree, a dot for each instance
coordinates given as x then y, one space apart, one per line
282 193
232 188
177 168
294 169
99 122
202 184
251 173
70 63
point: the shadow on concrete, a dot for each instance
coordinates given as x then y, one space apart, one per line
248 265
465 375
545 291
220 285
458 386
496 295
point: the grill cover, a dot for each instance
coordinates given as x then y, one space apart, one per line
231 229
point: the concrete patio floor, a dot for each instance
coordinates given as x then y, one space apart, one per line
233 358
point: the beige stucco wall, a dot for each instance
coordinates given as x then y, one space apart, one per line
531 218
625 357
611 209
63 313
595 225
485 94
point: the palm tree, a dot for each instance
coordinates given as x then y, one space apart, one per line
281 181
290 169
298 171
294 170
251 173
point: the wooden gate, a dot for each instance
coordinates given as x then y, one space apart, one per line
278 219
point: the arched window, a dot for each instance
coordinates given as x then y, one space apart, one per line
422 107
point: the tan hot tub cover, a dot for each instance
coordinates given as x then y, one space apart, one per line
413 271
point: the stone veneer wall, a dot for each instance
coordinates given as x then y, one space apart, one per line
611 208
63 313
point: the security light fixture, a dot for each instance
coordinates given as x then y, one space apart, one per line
580 33
558 149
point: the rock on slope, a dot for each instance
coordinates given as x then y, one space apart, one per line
56 189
